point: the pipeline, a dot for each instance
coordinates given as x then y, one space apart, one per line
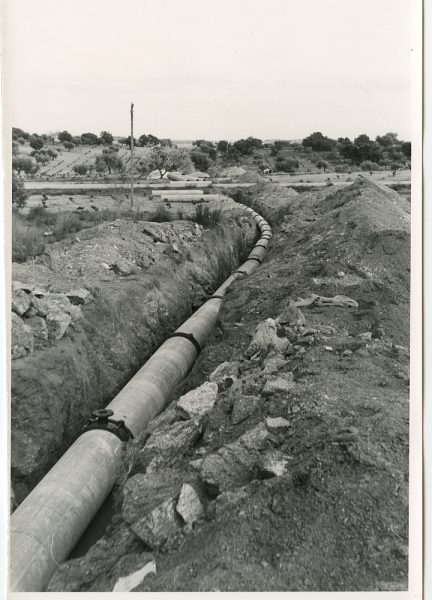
49 522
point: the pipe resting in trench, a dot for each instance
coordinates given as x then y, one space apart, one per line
47 525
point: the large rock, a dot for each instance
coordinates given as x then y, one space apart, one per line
167 446
244 407
277 424
189 505
54 303
291 315
280 385
57 322
235 465
80 296
272 464
20 302
274 363
144 492
22 341
197 403
39 329
146 565
225 371
265 340
156 527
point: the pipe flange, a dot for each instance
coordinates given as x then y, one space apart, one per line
101 420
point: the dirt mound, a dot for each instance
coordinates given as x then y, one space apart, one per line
249 177
301 469
233 172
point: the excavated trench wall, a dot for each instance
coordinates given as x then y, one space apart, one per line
131 311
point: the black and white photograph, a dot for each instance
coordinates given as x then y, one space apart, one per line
212 289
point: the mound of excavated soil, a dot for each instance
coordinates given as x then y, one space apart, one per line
294 475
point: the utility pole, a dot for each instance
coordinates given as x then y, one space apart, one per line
132 159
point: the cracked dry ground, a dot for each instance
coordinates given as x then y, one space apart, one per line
288 468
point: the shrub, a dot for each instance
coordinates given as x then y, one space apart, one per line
207 217
161 215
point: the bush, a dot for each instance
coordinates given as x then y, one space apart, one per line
207 217
200 160
287 165
80 169
368 165
161 215
19 196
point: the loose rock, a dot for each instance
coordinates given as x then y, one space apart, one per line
277 424
197 403
57 322
272 464
20 302
226 370
156 527
189 505
166 446
80 296
277 386
244 407
291 315
266 339
273 364
22 341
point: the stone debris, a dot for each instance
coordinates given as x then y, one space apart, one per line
266 339
272 464
156 527
226 370
166 446
131 581
20 302
291 315
189 505
277 424
39 329
273 364
80 296
197 403
367 335
22 340
315 300
57 322
328 348
244 407
230 467
327 330
144 492
277 386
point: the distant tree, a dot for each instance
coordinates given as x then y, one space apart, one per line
222 146
322 164
166 142
52 153
80 169
389 139
164 159
19 133
106 138
108 160
148 140
200 160
318 142
23 163
68 146
247 146
64 136
36 141
89 139
127 141
368 165
19 196
406 149
287 165
41 156
15 148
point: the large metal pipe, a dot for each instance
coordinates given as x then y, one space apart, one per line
49 522
186 197
176 192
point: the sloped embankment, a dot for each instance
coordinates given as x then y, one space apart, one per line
88 313
287 469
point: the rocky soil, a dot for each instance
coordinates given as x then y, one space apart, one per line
87 314
282 463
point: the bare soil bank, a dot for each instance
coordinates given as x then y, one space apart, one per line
299 464
91 310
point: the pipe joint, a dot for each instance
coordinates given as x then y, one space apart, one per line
101 420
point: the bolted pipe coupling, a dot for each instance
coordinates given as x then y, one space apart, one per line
101 420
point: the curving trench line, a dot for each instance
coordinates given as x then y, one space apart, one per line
47 525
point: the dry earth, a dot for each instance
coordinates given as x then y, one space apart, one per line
288 468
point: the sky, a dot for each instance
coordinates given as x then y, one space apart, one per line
215 69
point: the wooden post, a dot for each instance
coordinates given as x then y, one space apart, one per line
132 160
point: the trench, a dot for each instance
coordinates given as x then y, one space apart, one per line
51 521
